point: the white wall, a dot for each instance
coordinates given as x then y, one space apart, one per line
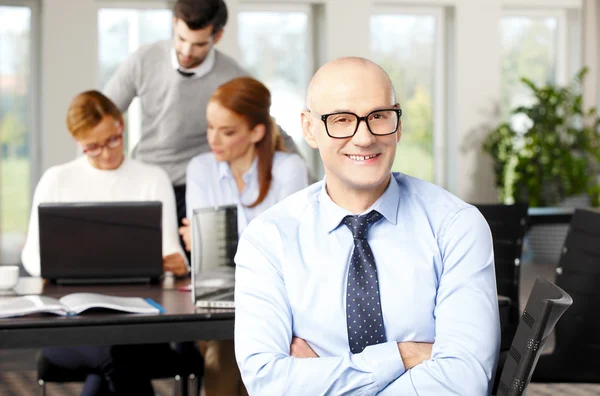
69 65
346 29
477 88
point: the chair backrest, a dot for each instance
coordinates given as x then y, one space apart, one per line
546 304
578 273
508 224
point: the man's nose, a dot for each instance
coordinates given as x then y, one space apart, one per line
186 49
363 136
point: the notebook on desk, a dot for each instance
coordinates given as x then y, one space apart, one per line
76 303
101 242
214 243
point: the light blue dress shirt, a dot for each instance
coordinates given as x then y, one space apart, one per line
435 267
211 183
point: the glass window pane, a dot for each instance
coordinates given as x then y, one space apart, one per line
529 47
280 61
121 32
404 45
15 121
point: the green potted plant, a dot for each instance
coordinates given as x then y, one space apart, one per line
556 156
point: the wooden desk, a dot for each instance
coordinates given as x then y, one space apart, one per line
181 321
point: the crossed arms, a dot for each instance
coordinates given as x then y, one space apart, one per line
461 360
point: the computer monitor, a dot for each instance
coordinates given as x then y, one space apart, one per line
100 242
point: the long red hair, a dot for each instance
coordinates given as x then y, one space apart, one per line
251 100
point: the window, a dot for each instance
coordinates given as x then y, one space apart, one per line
407 44
276 49
16 126
529 49
541 45
120 32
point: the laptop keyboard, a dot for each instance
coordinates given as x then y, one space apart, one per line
201 291
204 292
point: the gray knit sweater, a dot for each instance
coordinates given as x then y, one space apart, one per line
173 106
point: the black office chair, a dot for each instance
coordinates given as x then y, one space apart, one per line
184 365
508 224
575 356
546 304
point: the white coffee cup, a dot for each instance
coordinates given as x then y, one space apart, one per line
9 276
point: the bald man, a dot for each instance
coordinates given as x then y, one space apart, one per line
368 282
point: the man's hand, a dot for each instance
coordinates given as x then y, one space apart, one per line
414 353
175 263
300 349
186 234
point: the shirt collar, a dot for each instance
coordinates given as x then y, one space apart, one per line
387 205
224 171
199 71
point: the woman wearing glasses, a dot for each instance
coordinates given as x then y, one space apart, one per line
247 167
102 174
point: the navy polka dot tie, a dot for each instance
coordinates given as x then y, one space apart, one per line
363 306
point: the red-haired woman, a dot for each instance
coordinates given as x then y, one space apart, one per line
247 167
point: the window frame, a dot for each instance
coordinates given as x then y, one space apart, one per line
569 14
131 4
562 72
303 8
442 135
34 103
134 112
35 46
311 156
569 32
541 4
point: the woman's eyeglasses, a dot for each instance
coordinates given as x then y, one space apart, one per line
94 150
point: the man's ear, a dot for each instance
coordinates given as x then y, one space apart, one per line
399 129
307 129
257 133
218 36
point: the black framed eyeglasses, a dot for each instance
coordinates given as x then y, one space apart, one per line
343 125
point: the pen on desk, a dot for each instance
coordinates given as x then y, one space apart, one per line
186 288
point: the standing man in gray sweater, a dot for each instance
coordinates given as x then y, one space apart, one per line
174 80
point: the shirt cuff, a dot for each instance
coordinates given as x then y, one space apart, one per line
385 361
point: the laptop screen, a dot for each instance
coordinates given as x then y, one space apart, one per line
214 243
100 240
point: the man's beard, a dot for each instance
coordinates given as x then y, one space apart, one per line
195 61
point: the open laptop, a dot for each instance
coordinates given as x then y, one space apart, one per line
101 242
214 243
